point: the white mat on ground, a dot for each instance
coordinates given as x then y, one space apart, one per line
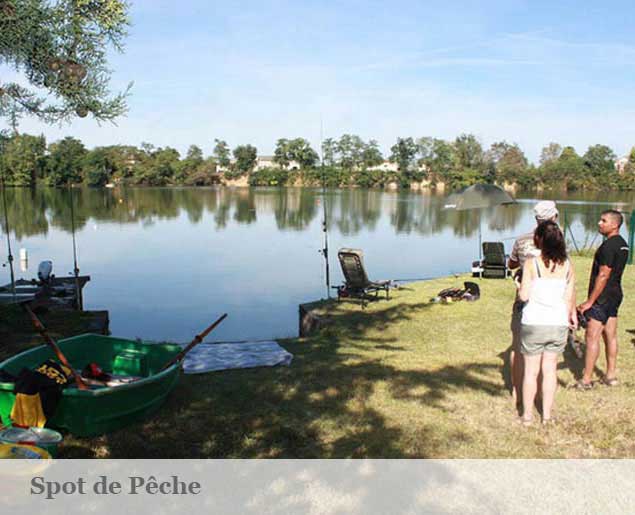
208 357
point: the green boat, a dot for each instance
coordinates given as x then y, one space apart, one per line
102 409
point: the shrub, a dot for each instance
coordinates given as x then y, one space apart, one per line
270 177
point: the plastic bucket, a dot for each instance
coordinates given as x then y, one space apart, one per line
14 451
41 437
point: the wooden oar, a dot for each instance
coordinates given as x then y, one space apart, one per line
197 339
47 338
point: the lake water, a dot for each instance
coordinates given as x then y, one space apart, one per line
167 262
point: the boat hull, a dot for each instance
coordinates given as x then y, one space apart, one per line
105 409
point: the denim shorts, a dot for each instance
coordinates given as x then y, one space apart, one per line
602 312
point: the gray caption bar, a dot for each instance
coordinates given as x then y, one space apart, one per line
317 486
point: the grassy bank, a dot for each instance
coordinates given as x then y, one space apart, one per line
403 378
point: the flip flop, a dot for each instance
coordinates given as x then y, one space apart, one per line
610 381
525 422
582 386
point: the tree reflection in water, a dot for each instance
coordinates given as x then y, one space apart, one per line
34 211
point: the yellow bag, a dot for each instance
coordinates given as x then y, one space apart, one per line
27 411
37 393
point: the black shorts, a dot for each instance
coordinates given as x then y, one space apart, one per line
602 312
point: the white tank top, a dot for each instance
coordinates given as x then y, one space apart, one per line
547 304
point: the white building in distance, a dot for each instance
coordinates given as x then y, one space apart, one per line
620 164
268 162
386 166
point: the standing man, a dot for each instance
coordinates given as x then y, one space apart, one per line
604 299
524 247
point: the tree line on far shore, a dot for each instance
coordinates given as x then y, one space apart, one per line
26 160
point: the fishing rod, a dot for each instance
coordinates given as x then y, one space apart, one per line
325 250
6 222
428 278
413 279
75 267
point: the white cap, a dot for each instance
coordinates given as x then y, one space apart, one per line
545 210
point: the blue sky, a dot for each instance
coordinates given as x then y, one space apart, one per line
254 71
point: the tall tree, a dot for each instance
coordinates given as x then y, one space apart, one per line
60 47
508 160
194 155
329 152
124 159
98 167
513 165
158 167
438 157
550 153
600 161
245 156
404 153
350 150
22 159
567 172
424 150
281 153
65 162
166 161
222 153
371 155
497 151
300 151
468 152
188 166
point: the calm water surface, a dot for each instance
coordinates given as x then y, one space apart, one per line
166 262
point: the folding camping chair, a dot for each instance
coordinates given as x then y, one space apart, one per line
356 282
494 264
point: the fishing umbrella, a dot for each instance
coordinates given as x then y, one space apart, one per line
478 196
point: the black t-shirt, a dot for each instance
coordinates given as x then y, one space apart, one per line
614 254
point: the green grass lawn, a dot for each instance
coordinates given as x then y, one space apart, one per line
402 378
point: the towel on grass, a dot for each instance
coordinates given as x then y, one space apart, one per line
208 357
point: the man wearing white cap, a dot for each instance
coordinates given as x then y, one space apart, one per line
524 247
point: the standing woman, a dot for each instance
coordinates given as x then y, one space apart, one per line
548 287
